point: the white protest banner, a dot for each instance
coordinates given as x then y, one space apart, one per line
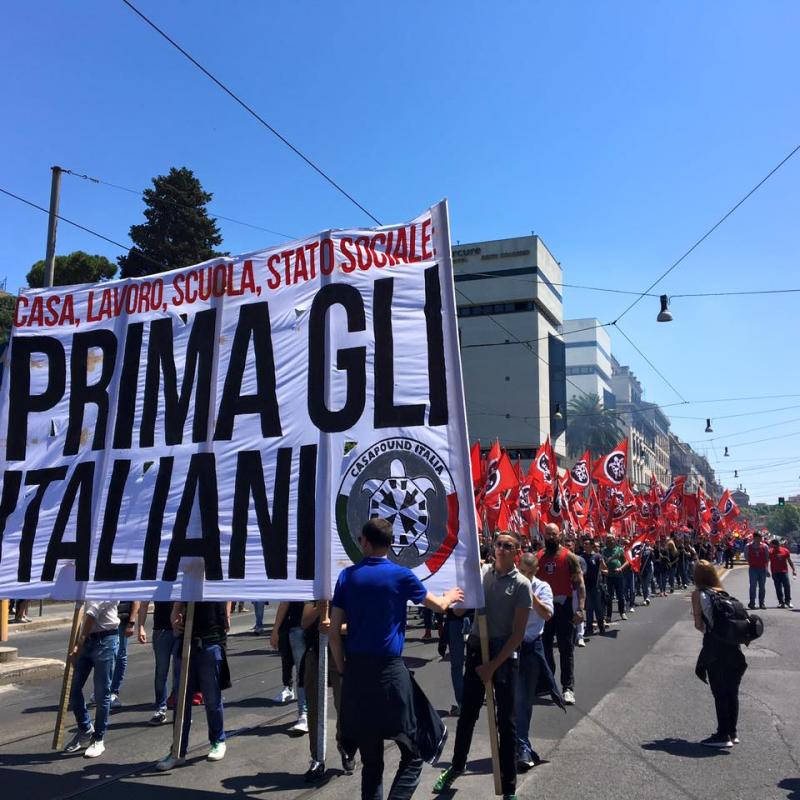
223 431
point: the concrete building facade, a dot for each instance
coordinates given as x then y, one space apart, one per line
588 348
510 312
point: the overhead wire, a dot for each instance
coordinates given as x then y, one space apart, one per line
708 232
250 110
101 182
161 266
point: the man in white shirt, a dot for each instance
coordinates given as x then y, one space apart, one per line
96 649
532 661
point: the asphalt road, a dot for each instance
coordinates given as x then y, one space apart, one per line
632 734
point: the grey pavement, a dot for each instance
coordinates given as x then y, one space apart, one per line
640 710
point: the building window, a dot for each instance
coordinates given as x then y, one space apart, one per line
490 309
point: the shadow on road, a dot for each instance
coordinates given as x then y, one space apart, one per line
792 785
683 748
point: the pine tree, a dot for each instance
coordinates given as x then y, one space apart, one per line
178 231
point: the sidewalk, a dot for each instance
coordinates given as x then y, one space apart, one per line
54 615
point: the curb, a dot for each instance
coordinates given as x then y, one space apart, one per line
44 623
22 670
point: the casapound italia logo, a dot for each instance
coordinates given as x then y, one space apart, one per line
405 482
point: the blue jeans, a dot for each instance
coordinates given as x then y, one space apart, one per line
100 655
782 588
758 577
645 577
297 641
530 660
629 587
258 608
204 672
456 630
163 642
121 664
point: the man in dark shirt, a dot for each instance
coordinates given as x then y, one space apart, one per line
595 566
163 642
208 673
371 597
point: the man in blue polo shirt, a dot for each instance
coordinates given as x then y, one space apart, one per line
371 597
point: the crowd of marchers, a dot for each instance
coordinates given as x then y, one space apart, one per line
557 591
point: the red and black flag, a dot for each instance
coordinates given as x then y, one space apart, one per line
611 469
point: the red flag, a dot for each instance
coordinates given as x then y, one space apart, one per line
611 469
675 489
478 478
580 475
500 475
633 552
504 517
727 508
540 473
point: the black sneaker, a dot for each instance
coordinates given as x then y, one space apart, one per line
315 771
751 606
720 742
348 761
762 606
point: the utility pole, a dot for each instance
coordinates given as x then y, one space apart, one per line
50 259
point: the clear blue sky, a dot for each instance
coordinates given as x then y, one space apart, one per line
619 132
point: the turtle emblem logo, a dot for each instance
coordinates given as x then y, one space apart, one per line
405 482
401 501
580 473
615 467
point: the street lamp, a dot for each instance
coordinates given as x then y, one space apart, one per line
709 429
664 315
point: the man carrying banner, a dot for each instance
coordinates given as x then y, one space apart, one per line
95 649
377 704
208 673
507 594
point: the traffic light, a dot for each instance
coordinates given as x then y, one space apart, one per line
781 501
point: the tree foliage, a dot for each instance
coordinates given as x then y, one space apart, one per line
178 230
783 520
592 427
7 303
77 267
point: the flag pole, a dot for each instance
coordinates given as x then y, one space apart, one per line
180 700
66 681
441 222
322 684
491 713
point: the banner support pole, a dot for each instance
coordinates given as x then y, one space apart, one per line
180 700
322 685
491 712
66 681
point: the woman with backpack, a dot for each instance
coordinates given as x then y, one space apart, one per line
716 616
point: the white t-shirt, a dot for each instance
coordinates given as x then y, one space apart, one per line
105 615
544 594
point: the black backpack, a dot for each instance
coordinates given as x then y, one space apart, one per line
732 624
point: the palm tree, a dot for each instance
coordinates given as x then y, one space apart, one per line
591 427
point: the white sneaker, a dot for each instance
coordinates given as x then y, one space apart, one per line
158 718
217 752
80 740
286 696
95 748
580 642
300 728
115 701
168 762
569 697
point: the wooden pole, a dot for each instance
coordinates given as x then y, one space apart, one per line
322 685
491 714
180 700
4 620
66 682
